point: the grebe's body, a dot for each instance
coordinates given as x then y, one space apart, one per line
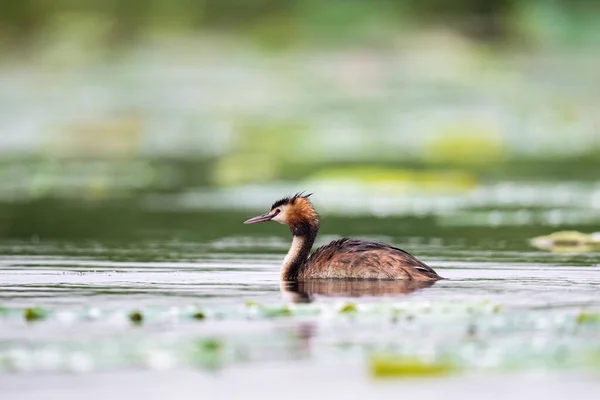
340 259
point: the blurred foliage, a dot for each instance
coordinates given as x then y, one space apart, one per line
127 20
466 144
567 242
398 180
436 112
588 318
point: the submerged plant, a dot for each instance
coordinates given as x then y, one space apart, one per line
385 366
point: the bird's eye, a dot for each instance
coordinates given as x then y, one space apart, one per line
277 211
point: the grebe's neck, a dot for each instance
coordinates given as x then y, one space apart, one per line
299 251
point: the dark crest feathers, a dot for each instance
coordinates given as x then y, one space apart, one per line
290 199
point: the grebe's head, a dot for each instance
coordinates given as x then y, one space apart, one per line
295 211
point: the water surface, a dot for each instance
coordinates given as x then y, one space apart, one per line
505 305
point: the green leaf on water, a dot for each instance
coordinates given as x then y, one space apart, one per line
210 345
35 314
136 317
348 308
588 318
270 311
384 366
208 353
198 315
274 312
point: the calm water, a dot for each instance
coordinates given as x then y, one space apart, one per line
507 311
460 165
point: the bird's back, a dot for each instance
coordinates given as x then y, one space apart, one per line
361 259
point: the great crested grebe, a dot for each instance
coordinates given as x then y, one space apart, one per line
340 259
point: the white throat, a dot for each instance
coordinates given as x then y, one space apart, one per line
290 258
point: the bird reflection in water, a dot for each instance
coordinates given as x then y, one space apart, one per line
305 291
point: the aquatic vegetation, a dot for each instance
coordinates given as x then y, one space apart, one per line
397 179
460 332
348 308
208 353
198 315
275 312
136 317
466 143
387 366
588 318
35 314
236 169
269 311
385 310
567 241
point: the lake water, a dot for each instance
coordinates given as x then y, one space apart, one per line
125 268
510 319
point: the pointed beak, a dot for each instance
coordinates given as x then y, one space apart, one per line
261 218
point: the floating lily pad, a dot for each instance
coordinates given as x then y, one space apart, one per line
35 314
198 315
270 311
273 312
136 317
398 367
208 353
348 308
567 241
588 318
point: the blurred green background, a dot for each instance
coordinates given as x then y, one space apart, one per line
220 104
